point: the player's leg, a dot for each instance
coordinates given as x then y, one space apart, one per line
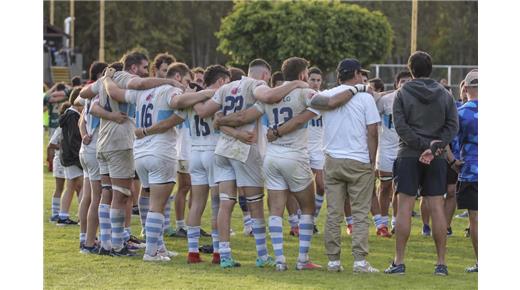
277 200
215 203
385 194
467 198
56 198
92 215
375 210
183 187
292 209
74 176
450 202
246 215
228 198
319 196
159 194
473 229
84 204
403 225
436 206
425 217
105 227
144 207
199 197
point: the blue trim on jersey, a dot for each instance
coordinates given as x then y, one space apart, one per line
128 109
95 122
164 114
137 122
265 120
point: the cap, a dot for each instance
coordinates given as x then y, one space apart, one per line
471 79
350 64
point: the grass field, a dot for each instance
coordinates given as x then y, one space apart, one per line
66 268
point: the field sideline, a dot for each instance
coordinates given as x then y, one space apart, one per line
66 268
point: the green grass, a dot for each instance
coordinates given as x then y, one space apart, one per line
65 268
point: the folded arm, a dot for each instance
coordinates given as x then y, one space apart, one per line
160 127
330 103
239 118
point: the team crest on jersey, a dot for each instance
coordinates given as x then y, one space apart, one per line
310 95
234 91
149 97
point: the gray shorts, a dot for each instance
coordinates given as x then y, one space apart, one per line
246 174
117 164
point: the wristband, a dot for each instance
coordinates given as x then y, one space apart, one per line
361 88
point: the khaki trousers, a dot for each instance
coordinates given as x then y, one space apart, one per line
342 177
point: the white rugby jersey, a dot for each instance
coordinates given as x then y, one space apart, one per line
388 138
92 123
296 102
152 106
183 141
201 132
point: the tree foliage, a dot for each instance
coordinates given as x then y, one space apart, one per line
322 32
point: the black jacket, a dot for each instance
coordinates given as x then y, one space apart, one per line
71 138
423 111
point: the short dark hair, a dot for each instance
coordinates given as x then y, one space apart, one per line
379 86
420 64
60 87
276 77
178 67
197 70
132 58
236 73
364 73
315 70
215 72
400 75
118 66
259 62
75 81
162 58
293 66
96 68
74 95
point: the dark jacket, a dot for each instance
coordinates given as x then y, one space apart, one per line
71 138
423 111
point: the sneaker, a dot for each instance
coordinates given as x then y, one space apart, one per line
383 232
364 268
194 258
307 265
462 215
135 210
472 269
181 233
203 233
466 233
261 263
206 249
166 253
314 230
228 263
66 222
136 240
281 267
89 250
394 269
103 252
216 258
135 247
123 252
295 231
441 270
156 258
169 232
248 231
426 231
349 229
54 218
449 232
334 267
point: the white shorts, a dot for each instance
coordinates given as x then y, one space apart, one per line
58 170
72 172
245 174
155 170
385 160
117 164
282 173
317 159
202 168
90 166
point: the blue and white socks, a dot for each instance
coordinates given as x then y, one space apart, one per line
180 224
384 221
306 227
224 250
105 228
82 238
144 207
276 231
153 228
55 206
168 211
117 221
294 220
318 202
215 239
378 222
193 239
259 234
349 220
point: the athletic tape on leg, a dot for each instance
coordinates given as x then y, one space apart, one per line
255 198
385 178
123 190
225 196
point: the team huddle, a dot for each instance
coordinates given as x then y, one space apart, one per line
127 138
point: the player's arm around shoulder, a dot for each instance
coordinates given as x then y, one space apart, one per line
113 90
268 95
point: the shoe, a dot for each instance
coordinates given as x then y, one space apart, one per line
248 231
166 253
281 267
135 247
462 215
216 258
136 240
135 210
472 269
54 218
426 231
169 232
334 267
66 222
441 270
181 233
314 230
383 232
194 258
206 249
364 268
295 232
228 263
103 252
394 269
349 229
156 258
123 252
307 265
466 233
449 232
89 250
269 262
203 233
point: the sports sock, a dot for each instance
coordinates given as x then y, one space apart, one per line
393 221
117 220
55 206
247 220
259 234
276 231
144 207
126 234
224 250
180 224
306 227
153 227
377 221
168 211
293 220
63 215
105 228
215 239
193 239
318 202
384 220
82 238
349 220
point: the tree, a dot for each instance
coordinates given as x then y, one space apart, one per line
322 32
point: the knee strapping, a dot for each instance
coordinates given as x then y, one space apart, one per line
125 191
385 178
225 196
255 198
106 187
